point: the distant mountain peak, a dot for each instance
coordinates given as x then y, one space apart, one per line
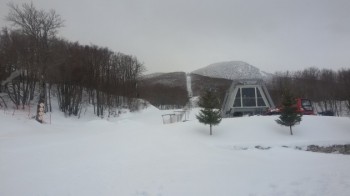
232 70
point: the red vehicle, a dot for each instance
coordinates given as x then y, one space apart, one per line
304 106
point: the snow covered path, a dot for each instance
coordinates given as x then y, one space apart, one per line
189 85
137 155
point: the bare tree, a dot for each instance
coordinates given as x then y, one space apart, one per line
75 71
40 26
18 58
344 84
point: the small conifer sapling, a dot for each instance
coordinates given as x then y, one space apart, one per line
289 114
209 114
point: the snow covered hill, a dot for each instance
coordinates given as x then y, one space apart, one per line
232 70
135 154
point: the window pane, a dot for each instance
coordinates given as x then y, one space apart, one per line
237 102
306 104
261 101
248 92
248 96
258 92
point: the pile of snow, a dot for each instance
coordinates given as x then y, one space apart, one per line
232 70
135 154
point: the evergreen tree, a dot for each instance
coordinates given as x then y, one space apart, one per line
289 114
209 114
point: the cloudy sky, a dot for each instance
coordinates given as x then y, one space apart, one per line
184 35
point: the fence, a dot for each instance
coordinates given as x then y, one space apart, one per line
177 116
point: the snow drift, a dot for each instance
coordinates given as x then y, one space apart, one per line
136 154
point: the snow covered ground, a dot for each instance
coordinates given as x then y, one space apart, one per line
136 154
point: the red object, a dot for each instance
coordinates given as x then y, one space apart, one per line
304 106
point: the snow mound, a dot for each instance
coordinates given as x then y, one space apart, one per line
136 154
232 70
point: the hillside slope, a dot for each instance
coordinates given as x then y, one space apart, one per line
164 89
201 83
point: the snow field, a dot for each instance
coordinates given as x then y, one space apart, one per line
136 154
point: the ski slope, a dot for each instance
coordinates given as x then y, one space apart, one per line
136 154
189 85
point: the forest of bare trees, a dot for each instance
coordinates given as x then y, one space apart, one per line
326 87
35 63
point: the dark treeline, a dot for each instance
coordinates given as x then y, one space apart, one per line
166 91
326 87
202 83
164 97
34 63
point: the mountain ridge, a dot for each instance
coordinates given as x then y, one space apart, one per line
232 70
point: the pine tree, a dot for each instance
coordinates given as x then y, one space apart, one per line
289 115
209 114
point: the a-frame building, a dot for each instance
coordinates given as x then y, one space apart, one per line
246 97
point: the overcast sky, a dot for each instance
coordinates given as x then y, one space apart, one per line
184 35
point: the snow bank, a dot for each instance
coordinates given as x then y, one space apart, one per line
136 154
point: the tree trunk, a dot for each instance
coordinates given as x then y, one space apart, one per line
211 133
291 132
50 106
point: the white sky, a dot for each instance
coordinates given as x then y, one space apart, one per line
184 35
